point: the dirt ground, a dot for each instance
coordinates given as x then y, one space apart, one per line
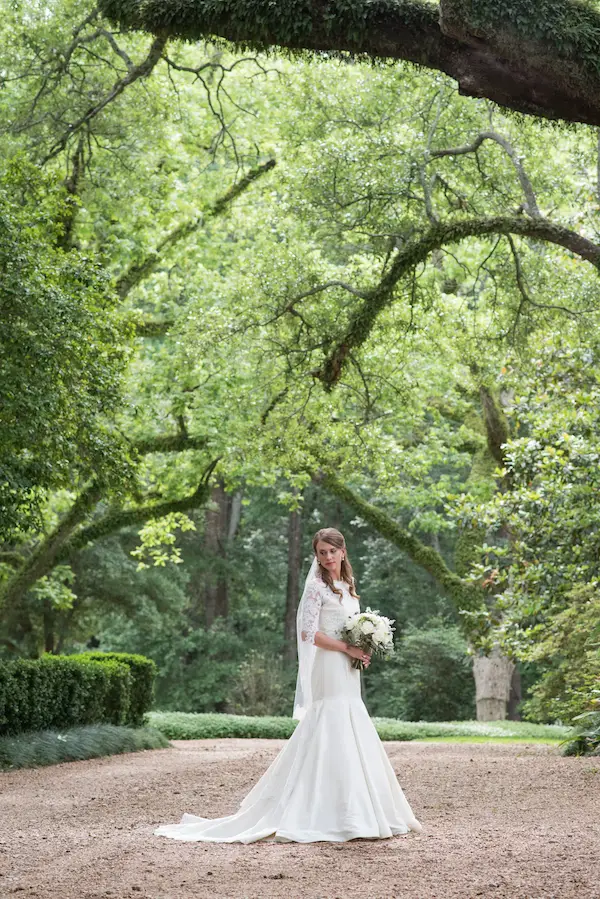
502 821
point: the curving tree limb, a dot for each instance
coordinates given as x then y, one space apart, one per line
136 273
540 58
117 519
134 74
466 596
419 248
69 536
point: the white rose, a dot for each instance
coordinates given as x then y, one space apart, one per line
368 627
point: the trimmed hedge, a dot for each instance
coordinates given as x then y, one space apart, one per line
143 674
215 726
56 692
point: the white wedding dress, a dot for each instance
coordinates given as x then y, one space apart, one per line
332 780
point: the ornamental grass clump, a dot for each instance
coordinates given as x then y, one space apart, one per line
51 747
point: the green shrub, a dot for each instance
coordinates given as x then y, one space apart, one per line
570 647
36 694
213 726
49 747
587 733
262 687
429 678
63 691
143 674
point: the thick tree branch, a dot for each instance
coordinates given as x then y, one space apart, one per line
170 443
65 538
117 519
418 249
45 555
538 58
12 558
136 273
496 426
465 596
72 184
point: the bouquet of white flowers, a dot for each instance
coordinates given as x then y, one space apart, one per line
370 631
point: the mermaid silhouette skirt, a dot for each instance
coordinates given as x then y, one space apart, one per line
331 781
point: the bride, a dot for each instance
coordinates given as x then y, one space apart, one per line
332 780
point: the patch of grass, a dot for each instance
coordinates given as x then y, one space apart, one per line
190 726
551 741
391 729
49 747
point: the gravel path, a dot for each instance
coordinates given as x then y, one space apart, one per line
500 821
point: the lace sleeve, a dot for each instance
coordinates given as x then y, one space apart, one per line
310 613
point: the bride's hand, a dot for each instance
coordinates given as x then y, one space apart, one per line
355 652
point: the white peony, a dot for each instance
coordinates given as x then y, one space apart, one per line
381 632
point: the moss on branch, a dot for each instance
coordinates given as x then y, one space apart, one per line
135 274
118 519
420 248
170 443
71 535
466 597
296 24
540 57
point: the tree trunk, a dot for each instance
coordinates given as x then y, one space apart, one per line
222 520
493 675
49 624
516 695
293 583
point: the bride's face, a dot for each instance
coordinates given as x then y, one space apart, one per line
329 556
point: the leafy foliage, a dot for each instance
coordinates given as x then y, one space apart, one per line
587 733
62 350
348 309
544 571
181 726
428 679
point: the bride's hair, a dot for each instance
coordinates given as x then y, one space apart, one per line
335 538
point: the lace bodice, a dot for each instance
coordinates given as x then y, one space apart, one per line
325 612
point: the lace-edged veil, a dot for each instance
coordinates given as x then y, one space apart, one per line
306 650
